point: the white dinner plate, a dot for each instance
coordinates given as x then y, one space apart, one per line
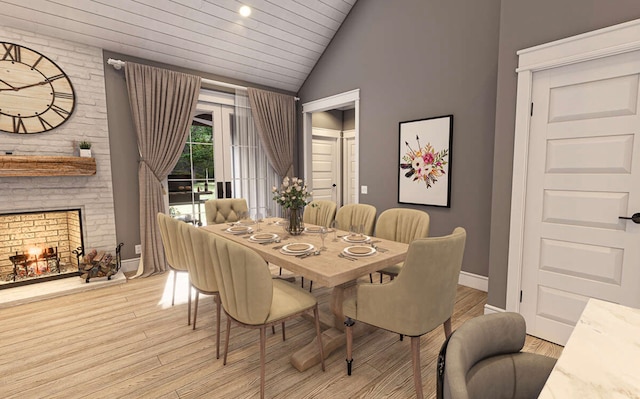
263 237
245 222
356 238
359 250
239 230
296 248
313 229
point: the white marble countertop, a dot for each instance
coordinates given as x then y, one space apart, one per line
601 358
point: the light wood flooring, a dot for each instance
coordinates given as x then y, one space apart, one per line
126 341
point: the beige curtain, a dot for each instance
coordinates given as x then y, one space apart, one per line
162 105
275 118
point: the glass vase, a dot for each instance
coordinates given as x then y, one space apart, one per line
296 226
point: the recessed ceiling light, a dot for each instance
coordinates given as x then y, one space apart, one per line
245 11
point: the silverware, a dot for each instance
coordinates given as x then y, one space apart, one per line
377 248
308 253
341 255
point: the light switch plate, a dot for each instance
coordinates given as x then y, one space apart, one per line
363 189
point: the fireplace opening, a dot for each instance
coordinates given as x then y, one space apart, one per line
38 246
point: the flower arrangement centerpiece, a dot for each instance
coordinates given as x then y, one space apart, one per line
293 196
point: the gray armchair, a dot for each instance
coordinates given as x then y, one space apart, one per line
482 359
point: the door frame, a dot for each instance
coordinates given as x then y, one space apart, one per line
349 98
601 43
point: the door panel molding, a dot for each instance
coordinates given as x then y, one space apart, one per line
599 44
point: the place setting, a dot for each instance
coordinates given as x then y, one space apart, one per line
299 249
264 238
356 238
239 229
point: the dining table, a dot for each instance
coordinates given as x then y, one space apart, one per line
344 258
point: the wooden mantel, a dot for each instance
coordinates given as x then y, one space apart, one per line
37 165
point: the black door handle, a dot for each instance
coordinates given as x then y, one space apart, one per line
635 218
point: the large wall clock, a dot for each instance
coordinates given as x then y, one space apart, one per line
35 94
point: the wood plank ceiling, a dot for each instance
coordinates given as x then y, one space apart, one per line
276 46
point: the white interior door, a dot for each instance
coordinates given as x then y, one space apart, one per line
583 173
349 159
326 164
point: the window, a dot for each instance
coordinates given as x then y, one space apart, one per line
222 158
188 183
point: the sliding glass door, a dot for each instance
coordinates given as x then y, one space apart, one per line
222 158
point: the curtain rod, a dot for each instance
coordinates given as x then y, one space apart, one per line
118 64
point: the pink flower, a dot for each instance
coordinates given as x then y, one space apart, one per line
428 158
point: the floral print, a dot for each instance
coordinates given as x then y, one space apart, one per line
424 164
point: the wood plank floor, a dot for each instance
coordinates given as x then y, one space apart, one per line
126 341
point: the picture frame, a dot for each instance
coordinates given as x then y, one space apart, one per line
424 167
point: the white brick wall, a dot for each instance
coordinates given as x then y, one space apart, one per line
92 194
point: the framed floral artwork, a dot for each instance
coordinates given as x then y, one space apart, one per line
424 173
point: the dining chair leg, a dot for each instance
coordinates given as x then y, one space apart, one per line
283 335
189 305
302 282
348 329
273 329
316 316
263 346
195 310
447 327
371 277
218 309
417 374
175 280
310 285
380 278
280 272
226 341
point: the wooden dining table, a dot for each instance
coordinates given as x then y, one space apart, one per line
325 267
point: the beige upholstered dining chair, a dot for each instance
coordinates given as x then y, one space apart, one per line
483 359
201 274
402 225
415 302
252 299
320 212
356 215
224 210
174 252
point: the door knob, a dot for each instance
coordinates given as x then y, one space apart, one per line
635 217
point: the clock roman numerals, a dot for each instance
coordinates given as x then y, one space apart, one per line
18 125
35 64
35 94
45 125
11 52
56 77
66 96
60 111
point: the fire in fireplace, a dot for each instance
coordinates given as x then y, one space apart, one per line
38 246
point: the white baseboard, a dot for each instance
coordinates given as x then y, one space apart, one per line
130 265
474 281
489 309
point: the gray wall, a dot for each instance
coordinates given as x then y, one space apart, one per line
526 23
417 59
331 119
124 148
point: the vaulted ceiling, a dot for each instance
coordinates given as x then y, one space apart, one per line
276 46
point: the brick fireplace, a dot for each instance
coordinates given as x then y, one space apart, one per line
33 196
37 246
